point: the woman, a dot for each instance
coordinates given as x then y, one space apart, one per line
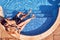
15 26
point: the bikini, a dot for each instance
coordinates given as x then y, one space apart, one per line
17 19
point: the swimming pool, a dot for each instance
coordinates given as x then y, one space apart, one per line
46 12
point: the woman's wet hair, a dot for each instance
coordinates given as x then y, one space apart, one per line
2 20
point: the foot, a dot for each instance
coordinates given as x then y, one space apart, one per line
33 16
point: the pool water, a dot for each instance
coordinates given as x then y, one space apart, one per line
46 12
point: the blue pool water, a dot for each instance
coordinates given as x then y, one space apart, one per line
45 11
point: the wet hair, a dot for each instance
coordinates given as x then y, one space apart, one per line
2 20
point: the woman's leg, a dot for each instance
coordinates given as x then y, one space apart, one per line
23 24
1 11
20 13
26 14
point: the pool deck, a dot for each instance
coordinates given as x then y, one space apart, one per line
54 36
